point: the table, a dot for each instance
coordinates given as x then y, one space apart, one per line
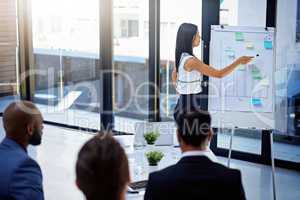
138 163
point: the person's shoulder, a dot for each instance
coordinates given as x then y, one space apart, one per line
29 162
163 175
13 156
24 163
184 54
27 181
187 56
224 171
28 169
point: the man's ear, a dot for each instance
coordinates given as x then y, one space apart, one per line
210 134
30 128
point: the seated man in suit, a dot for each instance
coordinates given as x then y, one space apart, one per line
20 176
196 176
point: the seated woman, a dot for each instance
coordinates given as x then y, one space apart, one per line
102 170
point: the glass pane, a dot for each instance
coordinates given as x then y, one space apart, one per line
9 69
243 12
287 82
131 55
173 14
247 141
66 54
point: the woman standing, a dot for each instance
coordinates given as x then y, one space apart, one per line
187 75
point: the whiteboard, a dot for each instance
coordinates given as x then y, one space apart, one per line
244 98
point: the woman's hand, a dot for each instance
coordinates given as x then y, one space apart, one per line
244 60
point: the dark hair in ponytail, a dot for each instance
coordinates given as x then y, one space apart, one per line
184 41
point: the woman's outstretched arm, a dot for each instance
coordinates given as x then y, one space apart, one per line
196 64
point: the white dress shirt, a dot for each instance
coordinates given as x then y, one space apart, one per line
208 153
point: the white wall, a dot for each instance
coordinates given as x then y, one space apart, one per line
252 13
232 7
245 12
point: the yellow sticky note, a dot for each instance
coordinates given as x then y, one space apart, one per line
249 45
265 82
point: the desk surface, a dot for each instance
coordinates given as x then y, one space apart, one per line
138 163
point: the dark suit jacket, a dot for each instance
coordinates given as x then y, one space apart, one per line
20 176
195 178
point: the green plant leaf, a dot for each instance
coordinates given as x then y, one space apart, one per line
154 157
151 137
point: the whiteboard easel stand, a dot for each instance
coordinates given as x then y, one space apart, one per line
230 146
273 164
272 158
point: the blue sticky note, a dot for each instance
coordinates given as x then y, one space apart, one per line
268 44
256 102
230 53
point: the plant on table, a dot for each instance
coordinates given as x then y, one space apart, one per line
154 157
151 137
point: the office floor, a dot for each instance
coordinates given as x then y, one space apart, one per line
57 156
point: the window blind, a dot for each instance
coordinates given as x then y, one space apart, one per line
8 47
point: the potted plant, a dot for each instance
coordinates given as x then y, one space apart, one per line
154 157
151 137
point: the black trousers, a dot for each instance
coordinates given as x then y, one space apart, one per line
188 103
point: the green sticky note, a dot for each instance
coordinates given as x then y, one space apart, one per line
239 36
256 74
268 44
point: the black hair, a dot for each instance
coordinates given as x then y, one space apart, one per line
184 41
194 127
102 169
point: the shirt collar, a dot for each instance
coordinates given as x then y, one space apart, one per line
208 153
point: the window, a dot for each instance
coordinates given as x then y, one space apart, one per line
131 52
173 14
9 69
243 12
133 28
287 84
129 28
66 55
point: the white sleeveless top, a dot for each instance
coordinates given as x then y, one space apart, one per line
188 82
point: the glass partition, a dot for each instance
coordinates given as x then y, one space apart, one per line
287 81
172 14
66 54
131 58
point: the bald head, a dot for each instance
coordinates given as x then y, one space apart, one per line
20 119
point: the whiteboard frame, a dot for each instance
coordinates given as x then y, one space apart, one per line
241 119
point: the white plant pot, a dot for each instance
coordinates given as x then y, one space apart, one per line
152 168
